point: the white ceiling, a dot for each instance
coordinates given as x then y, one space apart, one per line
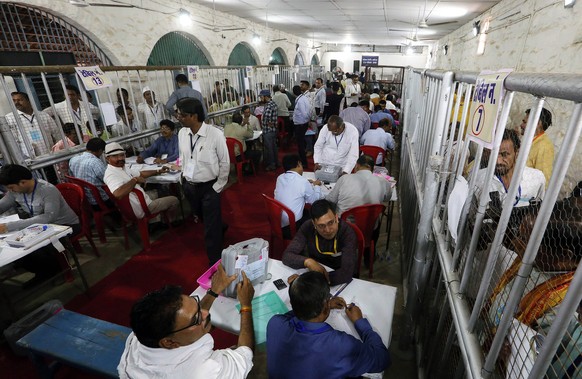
368 22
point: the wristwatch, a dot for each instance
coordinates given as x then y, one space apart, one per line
211 293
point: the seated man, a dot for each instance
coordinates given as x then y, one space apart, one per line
337 144
89 167
241 133
300 344
553 271
170 336
165 148
121 181
359 188
379 114
325 240
295 191
380 137
532 183
37 202
250 119
541 154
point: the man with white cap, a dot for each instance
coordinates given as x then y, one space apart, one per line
123 180
269 122
150 111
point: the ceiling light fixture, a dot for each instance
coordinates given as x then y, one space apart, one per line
184 16
79 3
256 40
476 28
569 3
348 49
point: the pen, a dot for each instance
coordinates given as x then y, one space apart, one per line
343 286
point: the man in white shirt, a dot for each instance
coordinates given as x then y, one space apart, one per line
205 168
532 183
358 116
77 113
34 124
353 91
319 101
171 339
380 137
301 118
150 111
295 191
122 180
337 144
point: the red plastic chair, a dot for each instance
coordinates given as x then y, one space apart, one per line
74 195
281 132
230 144
129 218
361 246
274 211
373 151
365 217
103 208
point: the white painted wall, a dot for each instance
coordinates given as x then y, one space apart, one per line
128 35
346 60
538 36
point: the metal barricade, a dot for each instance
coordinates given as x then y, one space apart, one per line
499 269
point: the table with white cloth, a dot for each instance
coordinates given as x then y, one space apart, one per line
375 300
10 254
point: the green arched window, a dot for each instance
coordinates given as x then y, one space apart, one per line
176 49
277 57
241 55
315 60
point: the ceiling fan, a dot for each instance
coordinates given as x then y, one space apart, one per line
84 3
215 28
422 23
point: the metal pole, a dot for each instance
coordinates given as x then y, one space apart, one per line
420 264
531 251
574 293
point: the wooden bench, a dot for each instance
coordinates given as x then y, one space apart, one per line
76 340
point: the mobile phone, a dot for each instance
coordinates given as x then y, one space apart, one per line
280 284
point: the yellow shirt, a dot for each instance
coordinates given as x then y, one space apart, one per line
541 155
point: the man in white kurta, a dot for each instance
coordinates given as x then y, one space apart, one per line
337 145
171 339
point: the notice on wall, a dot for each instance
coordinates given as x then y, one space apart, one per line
193 73
249 71
93 78
485 106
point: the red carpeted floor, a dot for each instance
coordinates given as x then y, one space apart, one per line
178 257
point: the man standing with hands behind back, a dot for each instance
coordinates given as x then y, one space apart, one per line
205 168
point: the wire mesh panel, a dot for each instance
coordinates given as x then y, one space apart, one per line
508 229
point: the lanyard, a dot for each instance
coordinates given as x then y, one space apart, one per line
193 145
340 141
326 252
31 206
31 119
518 197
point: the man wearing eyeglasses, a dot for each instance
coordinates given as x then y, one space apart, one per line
170 336
326 240
205 167
337 144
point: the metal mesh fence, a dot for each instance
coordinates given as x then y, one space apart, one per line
506 226
118 113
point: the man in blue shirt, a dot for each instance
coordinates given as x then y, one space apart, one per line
183 91
300 344
166 145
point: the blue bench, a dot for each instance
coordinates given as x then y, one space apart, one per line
76 340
